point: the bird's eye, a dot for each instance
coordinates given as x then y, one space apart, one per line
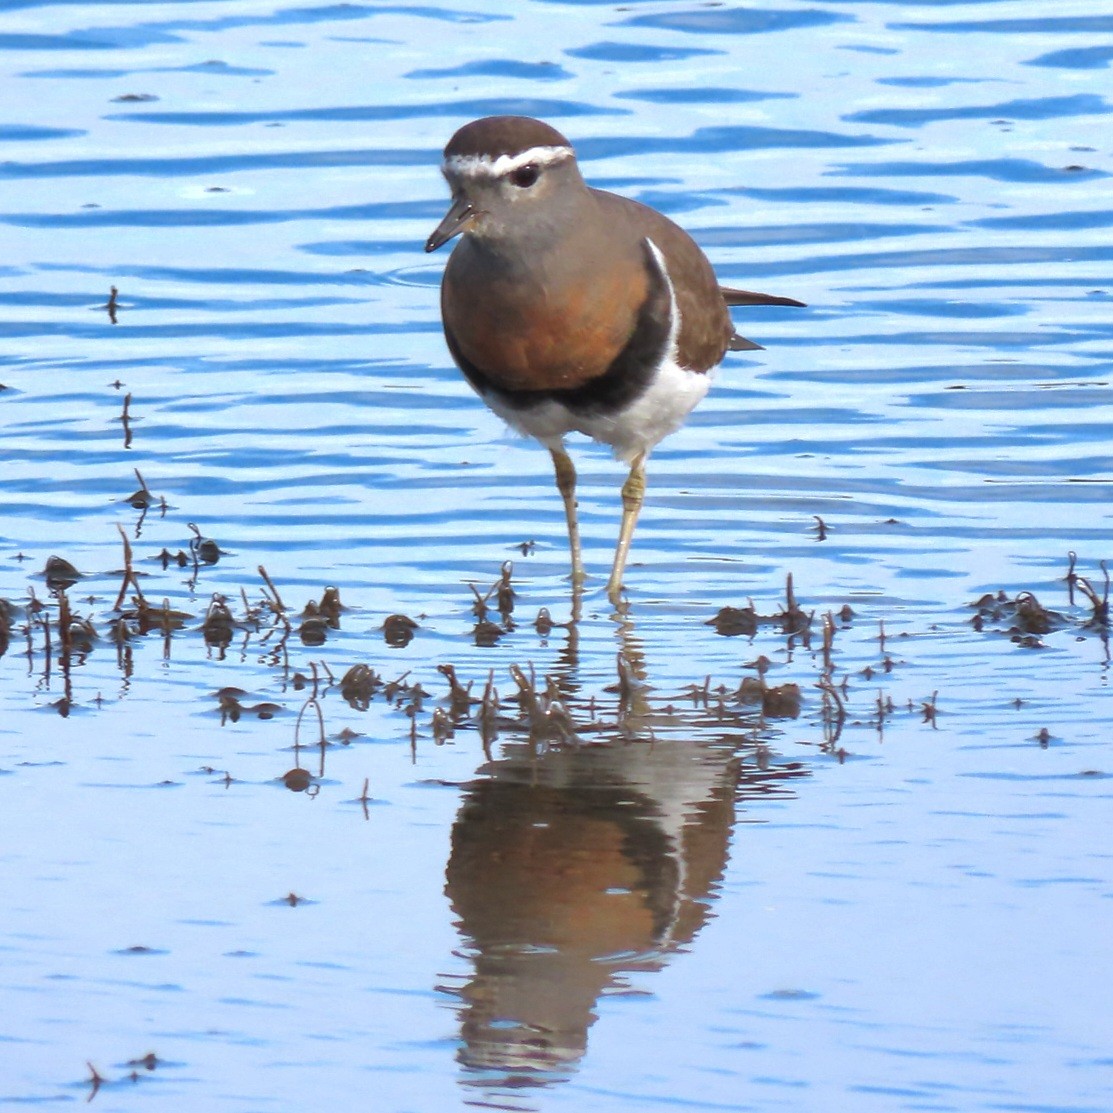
524 176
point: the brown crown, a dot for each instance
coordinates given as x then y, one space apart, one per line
503 135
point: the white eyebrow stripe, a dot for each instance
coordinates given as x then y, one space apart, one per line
484 165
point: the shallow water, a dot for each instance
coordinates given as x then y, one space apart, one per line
235 882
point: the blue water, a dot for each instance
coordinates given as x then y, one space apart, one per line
235 882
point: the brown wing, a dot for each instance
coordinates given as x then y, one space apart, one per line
706 329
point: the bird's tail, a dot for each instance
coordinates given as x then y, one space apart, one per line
748 297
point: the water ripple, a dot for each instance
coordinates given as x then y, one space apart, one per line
996 169
209 165
1044 108
1078 58
636 52
1043 25
737 21
465 109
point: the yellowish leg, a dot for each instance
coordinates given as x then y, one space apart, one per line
633 492
566 485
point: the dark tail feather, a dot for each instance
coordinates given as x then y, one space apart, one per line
741 344
748 297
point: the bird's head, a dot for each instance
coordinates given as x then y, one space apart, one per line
512 178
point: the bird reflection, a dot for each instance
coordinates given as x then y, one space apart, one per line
575 865
567 874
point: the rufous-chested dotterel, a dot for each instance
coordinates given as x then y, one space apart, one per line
571 309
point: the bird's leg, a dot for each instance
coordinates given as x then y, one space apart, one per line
566 485
633 491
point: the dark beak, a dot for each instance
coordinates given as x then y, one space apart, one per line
455 221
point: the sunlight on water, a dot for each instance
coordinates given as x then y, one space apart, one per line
314 794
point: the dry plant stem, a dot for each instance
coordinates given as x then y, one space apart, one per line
828 640
278 605
129 575
1100 603
48 646
166 629
479 607
96 1079
311 702
64 620
930 711
828 689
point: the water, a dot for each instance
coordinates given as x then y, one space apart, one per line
234 882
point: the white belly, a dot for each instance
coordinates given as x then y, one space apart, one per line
660 410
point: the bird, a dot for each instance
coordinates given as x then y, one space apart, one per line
573 309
